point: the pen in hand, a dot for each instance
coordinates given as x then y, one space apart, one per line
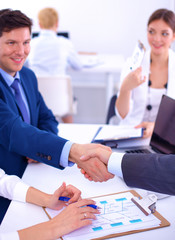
66 199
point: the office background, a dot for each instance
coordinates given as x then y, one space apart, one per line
106 26
102 26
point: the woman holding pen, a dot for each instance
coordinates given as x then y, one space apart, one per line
77 214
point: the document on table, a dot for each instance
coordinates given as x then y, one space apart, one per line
118 214
111 132
89 61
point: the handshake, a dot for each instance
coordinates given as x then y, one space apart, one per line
92 159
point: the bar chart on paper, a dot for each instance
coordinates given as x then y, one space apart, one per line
118 214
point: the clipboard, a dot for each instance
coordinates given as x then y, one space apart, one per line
164 222
105 135
112 143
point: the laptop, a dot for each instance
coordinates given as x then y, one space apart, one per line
163 137
64 34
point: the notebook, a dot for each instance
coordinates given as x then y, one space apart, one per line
163 137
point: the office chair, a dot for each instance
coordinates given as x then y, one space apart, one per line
111 109
57 94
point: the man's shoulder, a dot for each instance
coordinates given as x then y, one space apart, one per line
25 71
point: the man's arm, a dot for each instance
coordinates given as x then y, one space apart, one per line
154 172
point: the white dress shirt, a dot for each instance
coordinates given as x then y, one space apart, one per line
13 188
51 54
115 164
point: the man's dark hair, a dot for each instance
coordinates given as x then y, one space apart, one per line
13 19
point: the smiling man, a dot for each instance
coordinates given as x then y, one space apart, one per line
28 129
15 47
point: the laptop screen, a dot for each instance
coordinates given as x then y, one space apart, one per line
163 138
64 34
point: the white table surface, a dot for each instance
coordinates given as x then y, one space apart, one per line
46 178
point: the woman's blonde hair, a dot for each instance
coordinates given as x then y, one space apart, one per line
48 17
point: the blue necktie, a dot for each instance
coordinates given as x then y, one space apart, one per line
20 102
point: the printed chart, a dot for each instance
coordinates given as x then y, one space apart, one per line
118 214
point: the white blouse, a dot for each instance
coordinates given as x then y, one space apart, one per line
13 188
153 98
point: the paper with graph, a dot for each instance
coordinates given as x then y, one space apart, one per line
118 214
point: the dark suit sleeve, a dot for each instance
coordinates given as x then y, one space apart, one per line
155 172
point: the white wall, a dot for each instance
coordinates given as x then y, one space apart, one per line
105 26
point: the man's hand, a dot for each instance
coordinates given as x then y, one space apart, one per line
102 154
29 160
92 165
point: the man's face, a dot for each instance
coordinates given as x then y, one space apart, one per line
14 49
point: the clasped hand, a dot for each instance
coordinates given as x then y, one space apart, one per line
93 166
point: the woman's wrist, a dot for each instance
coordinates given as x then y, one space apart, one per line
42 231
38 197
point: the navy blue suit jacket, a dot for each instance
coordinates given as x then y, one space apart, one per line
19 140
155 172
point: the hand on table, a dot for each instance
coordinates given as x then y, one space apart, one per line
74 216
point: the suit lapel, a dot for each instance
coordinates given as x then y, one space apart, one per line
8 95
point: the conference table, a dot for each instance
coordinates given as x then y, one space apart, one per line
47 178
105 67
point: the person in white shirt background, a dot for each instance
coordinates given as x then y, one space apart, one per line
74 216
141 89
51 54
